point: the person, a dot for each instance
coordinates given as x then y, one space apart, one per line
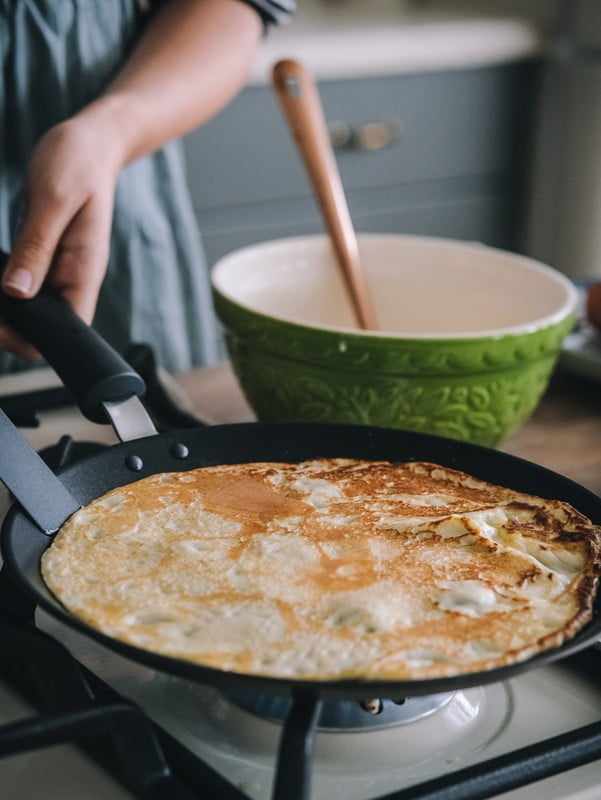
93 195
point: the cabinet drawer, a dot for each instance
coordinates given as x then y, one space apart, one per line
460 122
471 211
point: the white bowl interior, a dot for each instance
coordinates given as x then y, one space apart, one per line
421 287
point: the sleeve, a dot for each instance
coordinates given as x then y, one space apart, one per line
272 12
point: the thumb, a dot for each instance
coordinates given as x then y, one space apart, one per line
32 253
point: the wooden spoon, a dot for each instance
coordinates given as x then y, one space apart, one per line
300 103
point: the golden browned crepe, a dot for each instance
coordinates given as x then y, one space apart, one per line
329 569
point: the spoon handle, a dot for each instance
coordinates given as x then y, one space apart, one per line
301 106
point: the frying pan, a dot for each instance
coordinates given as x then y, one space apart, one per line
104 385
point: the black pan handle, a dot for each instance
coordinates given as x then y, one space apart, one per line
88 366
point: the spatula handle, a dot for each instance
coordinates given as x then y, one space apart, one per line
32 482
88 366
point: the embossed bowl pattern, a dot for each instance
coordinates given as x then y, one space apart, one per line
298 357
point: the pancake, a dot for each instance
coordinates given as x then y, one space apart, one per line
329 569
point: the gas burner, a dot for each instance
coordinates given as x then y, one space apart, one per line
241 743
348 716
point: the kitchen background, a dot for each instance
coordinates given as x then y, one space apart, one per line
476 120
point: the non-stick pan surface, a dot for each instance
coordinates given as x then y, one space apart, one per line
23 544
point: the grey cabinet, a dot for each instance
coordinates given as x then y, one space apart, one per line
455 167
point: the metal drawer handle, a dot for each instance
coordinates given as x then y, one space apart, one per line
374 135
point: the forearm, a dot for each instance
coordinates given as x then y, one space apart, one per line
191 61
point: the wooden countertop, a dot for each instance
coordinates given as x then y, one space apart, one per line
563 434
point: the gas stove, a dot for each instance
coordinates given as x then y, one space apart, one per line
78 720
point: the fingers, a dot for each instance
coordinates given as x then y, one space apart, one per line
53 196
27 266
77 271
64 238
76 264
30 261
81 260
33 250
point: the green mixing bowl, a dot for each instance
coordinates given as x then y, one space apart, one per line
468 335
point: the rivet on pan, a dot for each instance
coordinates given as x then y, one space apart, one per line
374 705
134 462
179 450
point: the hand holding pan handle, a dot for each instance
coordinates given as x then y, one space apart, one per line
88 366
